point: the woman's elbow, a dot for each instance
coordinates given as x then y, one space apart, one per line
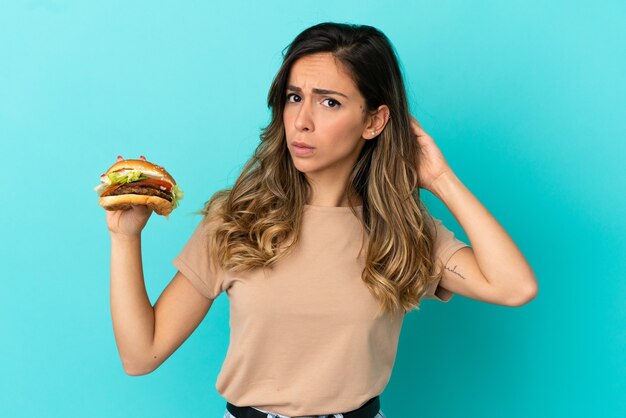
132 372
523 297
136 370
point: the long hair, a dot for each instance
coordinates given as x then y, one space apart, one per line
258 219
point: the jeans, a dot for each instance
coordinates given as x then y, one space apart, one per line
271 415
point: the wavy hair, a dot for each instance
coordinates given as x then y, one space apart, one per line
258 219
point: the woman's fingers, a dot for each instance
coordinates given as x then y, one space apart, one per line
129 221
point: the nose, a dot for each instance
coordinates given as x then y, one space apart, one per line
304 118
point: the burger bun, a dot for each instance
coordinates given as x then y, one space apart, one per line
146 167
126 201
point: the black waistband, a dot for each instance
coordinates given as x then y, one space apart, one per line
368 410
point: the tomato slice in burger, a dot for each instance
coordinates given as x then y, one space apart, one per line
109 190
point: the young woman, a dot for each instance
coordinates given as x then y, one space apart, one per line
322 245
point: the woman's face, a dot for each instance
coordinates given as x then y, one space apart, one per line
326 111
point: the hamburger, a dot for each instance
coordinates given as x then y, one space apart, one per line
138 182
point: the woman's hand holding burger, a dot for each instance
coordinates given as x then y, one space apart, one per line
130 191
128 222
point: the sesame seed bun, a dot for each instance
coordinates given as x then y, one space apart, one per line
146 167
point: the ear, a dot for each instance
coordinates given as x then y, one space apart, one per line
376 122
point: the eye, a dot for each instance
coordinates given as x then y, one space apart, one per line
293 96
331 103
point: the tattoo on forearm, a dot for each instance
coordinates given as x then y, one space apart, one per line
455 272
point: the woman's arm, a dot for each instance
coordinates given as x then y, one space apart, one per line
131 311
493 270
146 336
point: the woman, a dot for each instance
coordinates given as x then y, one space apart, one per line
322 245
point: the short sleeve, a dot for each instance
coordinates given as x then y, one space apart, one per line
194 263
446 244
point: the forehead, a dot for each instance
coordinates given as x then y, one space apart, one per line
321 71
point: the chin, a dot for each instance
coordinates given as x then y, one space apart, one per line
302 166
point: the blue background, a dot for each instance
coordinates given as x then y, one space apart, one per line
526 99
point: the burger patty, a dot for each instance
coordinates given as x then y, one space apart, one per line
141 190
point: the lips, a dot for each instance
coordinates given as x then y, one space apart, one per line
302 145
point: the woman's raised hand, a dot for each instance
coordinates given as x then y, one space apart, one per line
129 222
432 162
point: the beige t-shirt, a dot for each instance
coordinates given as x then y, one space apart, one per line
304 336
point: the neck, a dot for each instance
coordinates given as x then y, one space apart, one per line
335 201
329 189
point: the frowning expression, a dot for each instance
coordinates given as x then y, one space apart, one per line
325 111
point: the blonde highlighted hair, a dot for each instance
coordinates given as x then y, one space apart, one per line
258 219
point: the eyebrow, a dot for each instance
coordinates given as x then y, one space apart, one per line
316 91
